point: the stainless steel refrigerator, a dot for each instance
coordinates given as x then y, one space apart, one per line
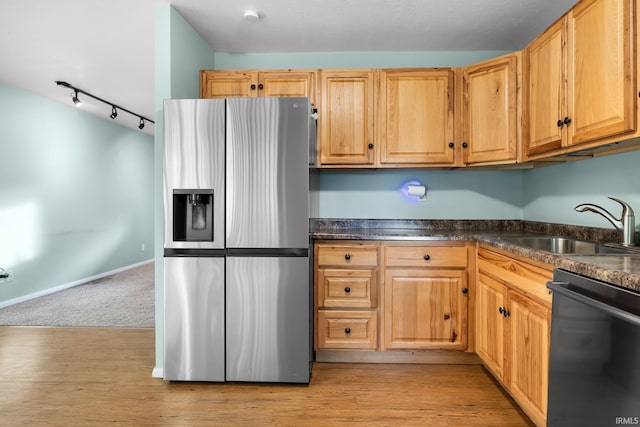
237 294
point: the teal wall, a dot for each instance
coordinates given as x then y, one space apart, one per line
76 194
551 193
451 194
180 54
301 60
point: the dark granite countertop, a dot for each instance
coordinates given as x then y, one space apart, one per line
620 270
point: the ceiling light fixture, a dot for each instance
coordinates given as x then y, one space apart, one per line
75 99
251 15
114 107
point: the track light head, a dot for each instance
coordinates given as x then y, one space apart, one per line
75 99
141 125
114 112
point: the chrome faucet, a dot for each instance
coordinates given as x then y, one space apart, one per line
626 223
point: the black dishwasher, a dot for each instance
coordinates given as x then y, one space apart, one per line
594 360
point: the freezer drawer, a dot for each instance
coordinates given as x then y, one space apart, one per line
268 319
194 319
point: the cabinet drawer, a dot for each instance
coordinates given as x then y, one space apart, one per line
348 255
425 256
347 288
517 274
347 329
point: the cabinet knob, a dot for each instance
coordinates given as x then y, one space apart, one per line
465 290
465 145
451 145
370 146
347 330
501 310
427 257
560 123
253 87
566 120
347 289
260 86
347 256
506 313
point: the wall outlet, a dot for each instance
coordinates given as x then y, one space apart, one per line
142 247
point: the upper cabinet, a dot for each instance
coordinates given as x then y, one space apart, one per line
601 74
414 123
581 79
346 119
572 89
490 111
544 90
227 84
415 117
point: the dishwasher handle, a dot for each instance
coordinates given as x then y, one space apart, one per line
562 288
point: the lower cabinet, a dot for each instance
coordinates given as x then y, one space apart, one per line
416 300
425 297
513 318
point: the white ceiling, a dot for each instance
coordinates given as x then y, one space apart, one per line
107 47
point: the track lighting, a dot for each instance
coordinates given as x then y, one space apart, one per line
75 99
114 107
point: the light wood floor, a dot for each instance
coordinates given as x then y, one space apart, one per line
87 377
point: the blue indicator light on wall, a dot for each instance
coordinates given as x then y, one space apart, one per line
414 190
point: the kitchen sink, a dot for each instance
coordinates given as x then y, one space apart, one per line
566 245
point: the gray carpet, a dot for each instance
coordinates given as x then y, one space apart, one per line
122 300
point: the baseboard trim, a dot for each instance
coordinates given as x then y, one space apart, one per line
62 287
157 373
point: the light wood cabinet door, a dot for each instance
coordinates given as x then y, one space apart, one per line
490 111
425 309
228 84
527 354
490 299
288 83
346 133
252 83
545 91
415 125
601 70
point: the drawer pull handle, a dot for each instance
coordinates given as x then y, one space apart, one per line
347 330
427 257
347 257
347 289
